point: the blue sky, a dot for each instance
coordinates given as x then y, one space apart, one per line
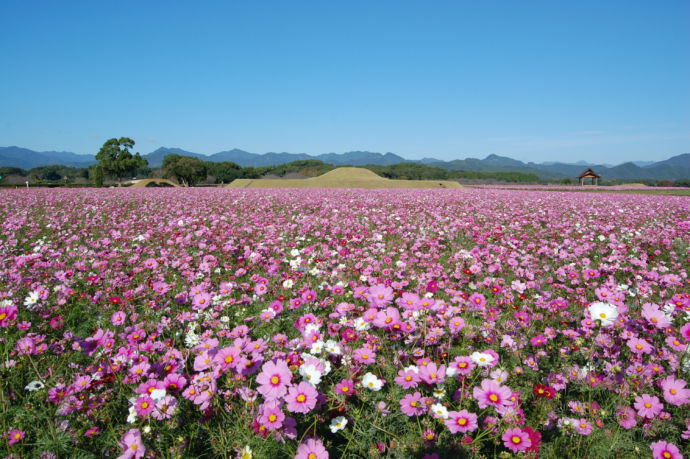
534 80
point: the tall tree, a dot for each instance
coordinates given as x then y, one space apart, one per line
188 171
115 158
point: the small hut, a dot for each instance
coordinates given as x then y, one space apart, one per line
589 174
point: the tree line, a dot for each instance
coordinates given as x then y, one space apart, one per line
115 162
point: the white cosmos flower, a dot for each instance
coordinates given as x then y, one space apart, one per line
338 423
482 359
439 411
332 347
316 347
310 374
158 394
604 312
33 386
288 283
361 325
31 299
132 418
294 252
371 382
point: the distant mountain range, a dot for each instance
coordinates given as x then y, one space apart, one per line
669 169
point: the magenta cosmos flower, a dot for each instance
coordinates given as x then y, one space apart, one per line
461 421
301 398
132 446
665 450
14 435
675 392
311 449
144 405
648 406
492 394
274 379
516 440
345 387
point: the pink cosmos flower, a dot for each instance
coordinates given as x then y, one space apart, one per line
227 358
364 356
274 379
675 392
639 346
312 449
118 318
654 316
165 407
648 406
201 301
132 446
380 295
665 450
14 436
626 417
492 394
462 365
301 398
413 405
272 416
582 426
174 382
477 301
685 331
345 387
432 374
516 440
144 405
407 379
8 314
461 421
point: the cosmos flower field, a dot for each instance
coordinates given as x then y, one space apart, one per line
343 323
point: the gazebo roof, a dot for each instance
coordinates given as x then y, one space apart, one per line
589 173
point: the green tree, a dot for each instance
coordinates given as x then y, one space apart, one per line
98 176
188 171
116 160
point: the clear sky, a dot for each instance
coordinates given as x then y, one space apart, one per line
604 81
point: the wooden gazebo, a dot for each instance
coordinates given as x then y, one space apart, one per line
589 174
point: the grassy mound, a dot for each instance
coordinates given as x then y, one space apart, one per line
343 177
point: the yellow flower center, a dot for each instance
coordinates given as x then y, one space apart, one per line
275 380
648 405
515 439
493 397
462 421
272 417
301 398
602 315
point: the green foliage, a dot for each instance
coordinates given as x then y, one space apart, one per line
116 160
5 171
98 176
186 170
223 172
308 167
683 182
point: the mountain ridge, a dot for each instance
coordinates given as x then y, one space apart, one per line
672 168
